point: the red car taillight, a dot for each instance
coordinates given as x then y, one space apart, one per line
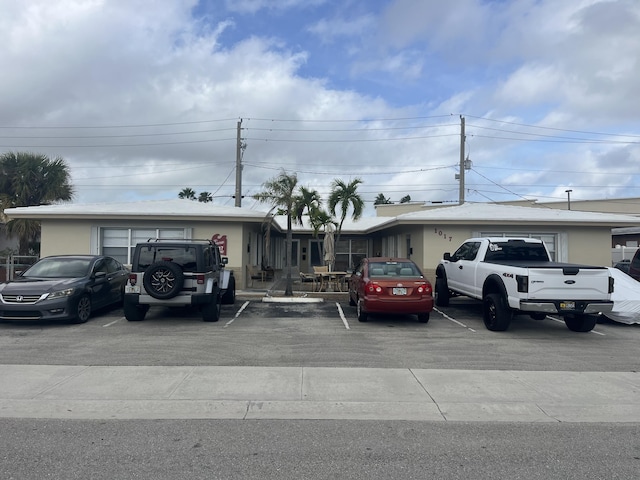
373 288
133 279
200 279
425 289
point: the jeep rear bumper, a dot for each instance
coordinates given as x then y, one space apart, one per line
179 300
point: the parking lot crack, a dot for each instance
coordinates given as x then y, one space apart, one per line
430 396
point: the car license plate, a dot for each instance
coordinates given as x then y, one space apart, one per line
130 289
399 291
567 305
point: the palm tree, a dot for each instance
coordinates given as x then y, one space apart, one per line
205 197
311 202
308 200
30 179
346 196
279 192
381 200
188 193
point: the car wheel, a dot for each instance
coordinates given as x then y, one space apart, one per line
83 310
423 317
211 311
497 315
362 315
135 313
163 280
441 292
229 297
580 322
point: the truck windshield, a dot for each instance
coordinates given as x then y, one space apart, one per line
516 251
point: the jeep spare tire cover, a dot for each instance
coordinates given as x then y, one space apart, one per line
163 280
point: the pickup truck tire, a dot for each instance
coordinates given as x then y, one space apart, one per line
442 292
497 315
580 322
229 297
211 311
423 317
362 315
163 280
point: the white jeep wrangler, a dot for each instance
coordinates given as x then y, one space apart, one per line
178 273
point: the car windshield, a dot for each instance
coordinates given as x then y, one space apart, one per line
393 269
59 268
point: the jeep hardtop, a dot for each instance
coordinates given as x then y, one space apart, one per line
178 273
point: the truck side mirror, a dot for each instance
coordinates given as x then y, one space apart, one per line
447 256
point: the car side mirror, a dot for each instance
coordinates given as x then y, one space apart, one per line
99 274
225 260
447 256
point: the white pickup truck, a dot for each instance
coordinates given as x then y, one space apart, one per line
516 275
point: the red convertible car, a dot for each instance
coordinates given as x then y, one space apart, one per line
390 286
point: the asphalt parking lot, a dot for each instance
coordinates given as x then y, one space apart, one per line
327 334
302 378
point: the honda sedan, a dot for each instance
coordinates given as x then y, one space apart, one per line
391 286
68 287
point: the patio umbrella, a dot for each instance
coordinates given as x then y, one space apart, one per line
329 247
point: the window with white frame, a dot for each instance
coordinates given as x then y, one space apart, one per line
119 243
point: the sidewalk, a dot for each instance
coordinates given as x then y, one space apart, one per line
246 393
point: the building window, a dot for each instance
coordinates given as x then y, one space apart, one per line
349 253
119 243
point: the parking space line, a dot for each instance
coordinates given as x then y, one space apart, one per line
111 323
344 319
453 320
244 305
562 321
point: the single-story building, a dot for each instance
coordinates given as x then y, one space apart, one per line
242 233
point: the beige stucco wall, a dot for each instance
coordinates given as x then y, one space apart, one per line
587 245
60 237
590 246
439 239
65 237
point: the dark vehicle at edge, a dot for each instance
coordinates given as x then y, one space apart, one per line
64 287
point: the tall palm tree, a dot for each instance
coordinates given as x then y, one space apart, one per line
311 202
346 196
29 179
188 193
306 200
280 193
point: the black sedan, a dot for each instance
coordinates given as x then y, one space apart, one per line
67 287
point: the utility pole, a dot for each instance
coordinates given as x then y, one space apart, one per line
462 163
239 146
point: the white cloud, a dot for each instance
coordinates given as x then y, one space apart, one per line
160 75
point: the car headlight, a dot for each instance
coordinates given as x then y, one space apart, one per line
62 293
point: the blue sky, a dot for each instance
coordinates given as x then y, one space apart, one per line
143 98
